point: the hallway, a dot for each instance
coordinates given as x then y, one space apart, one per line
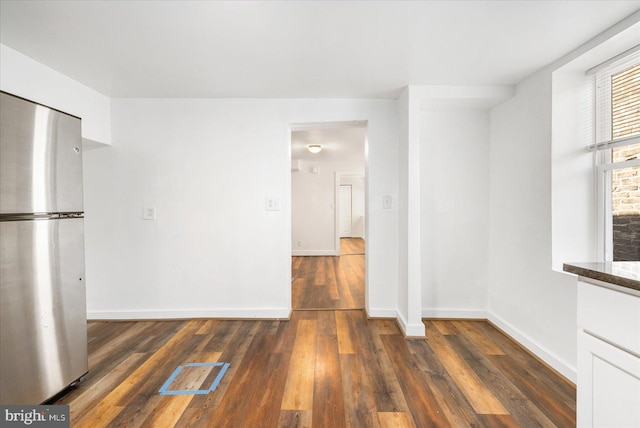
327 282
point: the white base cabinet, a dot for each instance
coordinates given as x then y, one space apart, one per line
608 385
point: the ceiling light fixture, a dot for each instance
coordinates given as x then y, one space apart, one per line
314 148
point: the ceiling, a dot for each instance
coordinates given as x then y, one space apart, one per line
298 49
339 141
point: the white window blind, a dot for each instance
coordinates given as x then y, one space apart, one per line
618 103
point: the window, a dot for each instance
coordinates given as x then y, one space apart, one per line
617 157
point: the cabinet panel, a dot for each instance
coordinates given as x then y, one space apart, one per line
610 314
608 385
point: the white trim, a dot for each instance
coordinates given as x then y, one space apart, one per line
455 313
410 330
619 165
564 368
282 313
313 126
618 142
315 252
381 313
604 206
611 61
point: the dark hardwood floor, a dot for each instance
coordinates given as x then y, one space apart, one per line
330 282
320 369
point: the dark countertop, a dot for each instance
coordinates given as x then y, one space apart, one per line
624 274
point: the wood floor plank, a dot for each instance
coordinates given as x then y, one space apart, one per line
417 392
445 327
350 246
446 391
344 329
209 327
326 322
475 391
295 419
122 340
502 421
320 277
473 332
396 420
361 411
522 409
245 392
330 277
385 326
99 420
350 280
297 290
328 400
298 393
378 371
535 390
168 411
101 387
564 391
265 410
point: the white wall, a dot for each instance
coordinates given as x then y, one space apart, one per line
527 298
358 201
454 161
207 166
22 76
313 205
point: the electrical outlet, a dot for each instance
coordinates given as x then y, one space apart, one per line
299 242
148 213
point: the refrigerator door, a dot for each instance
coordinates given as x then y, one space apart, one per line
40 158
43 330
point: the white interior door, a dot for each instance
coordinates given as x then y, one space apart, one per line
344 204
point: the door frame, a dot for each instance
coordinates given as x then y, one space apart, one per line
340 207
337 180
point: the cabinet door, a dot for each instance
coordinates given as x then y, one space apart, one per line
608 385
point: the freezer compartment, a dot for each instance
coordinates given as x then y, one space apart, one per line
43 328
40 158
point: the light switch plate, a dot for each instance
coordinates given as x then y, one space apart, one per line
272 203
148 213
387 202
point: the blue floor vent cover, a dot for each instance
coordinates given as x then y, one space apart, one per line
190 376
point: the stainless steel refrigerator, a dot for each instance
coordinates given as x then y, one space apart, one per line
43 326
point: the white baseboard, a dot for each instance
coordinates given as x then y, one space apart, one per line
314 253
455 313
381 313
410 330
548 357
283 313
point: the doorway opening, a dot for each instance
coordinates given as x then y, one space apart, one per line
328 215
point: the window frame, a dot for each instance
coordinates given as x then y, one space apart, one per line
602 150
